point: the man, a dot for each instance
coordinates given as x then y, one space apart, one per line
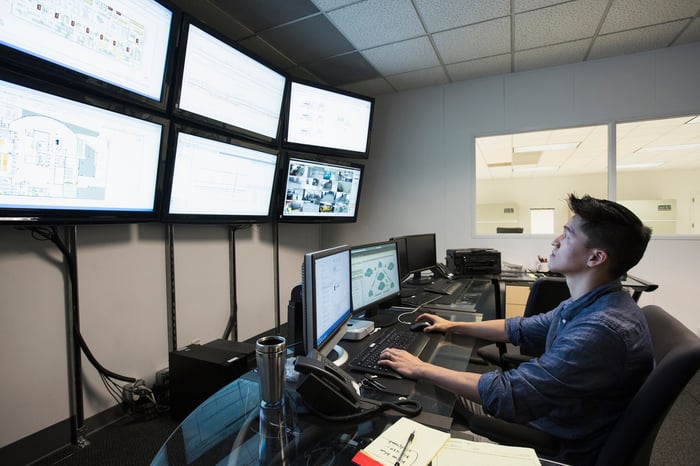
597 349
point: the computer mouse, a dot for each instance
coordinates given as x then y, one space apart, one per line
419 326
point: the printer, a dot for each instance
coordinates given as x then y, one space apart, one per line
473 261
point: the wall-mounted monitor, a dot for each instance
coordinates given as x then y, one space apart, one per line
225 88
326 300
67 161
121 48
213 178
314 189
322 120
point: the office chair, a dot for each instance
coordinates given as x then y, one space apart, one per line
545 294
677 355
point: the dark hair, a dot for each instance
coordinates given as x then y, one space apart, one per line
613 228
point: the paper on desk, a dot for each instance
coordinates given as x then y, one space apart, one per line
457 452
386 448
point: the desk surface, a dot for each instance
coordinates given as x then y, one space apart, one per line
231 428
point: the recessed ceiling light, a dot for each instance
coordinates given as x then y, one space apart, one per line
668 148
694 120
545 147
542 168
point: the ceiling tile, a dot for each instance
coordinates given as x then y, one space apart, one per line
691 34
377 22
476 41
449 14
400 57
415 79
552 55
630 14
259 15
478 68
372 87
261 48
559 23
302 73
343 69
212 15
636 40
520 6
311 39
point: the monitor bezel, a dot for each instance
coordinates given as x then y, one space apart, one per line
322 160
167 217
61 216
24 62
387 298
323 150
310 324
409 269
204 120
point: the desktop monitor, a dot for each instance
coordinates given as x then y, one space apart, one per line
120 48
213 178
416 254
224 88
314 189
64 161
375 278
327 121
326 300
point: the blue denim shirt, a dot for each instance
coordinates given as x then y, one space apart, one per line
597 353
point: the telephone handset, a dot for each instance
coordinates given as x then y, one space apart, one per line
325 387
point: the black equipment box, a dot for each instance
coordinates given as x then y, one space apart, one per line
198 371
473 261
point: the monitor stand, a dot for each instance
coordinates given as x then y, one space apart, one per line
338 355
419 280
380 317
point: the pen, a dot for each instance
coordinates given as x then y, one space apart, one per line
405 447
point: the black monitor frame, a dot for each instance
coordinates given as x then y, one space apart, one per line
209 121
324 149
213 218
284 204
42 215
326 342
370 310
33 65
413 260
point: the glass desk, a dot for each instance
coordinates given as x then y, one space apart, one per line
230 427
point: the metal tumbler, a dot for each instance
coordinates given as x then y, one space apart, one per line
271 356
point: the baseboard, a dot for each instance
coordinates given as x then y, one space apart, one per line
53 438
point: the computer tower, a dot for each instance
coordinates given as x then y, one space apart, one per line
198 371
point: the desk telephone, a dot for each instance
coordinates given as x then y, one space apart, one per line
325 387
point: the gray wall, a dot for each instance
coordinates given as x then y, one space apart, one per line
419 180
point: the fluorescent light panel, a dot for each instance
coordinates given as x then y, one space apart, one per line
546 147
668 148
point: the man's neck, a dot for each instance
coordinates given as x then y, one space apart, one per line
581 284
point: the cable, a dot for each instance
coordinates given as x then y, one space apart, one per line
409 408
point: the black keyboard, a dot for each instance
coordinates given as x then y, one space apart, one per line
443 286
368 359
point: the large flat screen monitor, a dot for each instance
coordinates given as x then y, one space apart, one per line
213 178
375 278
326 300
314 189
417 253
223 87
327 121
64 161
119 47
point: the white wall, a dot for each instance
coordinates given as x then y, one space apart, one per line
421 167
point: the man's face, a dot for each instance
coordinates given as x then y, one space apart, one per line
570 254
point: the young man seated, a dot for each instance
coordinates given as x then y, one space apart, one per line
597 349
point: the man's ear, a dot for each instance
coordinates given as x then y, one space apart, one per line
597 258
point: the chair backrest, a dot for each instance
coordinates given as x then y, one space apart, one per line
677 354
545 294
